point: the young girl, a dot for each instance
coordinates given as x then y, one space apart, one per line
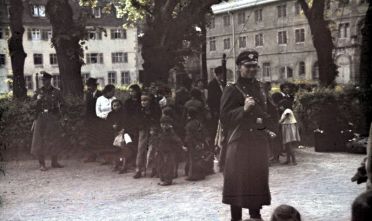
286 213
116 119
290 134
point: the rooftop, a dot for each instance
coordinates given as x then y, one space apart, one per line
238 4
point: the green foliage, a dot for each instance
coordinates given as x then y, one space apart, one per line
327 108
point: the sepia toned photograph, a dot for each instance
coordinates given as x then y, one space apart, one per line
185 110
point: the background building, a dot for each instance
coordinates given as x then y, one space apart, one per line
111 53
279 31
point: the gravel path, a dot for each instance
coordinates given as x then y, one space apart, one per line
319 187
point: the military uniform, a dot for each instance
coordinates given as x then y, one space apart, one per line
246 170
47 129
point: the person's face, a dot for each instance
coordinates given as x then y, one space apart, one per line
200 85
110 94
47 82
219 77
116 106
165 126
133 94
92 88
145 101
248 71
286 90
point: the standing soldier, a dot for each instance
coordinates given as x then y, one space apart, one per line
91 119
244 115
47 137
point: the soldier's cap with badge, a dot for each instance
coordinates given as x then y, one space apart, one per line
248 57
46 75
92 82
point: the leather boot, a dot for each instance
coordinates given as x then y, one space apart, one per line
42 164
55 163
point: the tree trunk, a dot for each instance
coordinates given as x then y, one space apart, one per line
366 68
365 57
66 37
322 40
204 53
16 51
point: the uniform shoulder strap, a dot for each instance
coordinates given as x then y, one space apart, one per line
241 90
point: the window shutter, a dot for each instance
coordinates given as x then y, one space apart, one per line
29 37
100 58
44 34
99 35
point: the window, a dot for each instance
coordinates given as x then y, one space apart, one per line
96 11
56 80
94 58
35 34
226 43
258 38
45 34
301 69
111 77
282 11
1 33
266 69
53 59
344 30
213 23
258 15
226 20
242 42
85 76
212 43
118 33
2 59
125 77
29 82
282 37
298 9
94 35
300 35
119 57
286 72
241 18
38 59
38 10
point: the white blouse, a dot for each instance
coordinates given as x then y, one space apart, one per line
103 106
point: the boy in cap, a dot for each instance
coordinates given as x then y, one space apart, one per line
47 130
168 146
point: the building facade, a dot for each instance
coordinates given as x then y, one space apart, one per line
279 31
110 52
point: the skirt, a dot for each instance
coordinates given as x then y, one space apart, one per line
290 133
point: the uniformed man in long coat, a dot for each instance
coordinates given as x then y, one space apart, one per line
47 137
244 115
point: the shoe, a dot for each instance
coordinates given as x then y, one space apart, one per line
122 171
137 175
165 183
294 163
57 165
43 168
286 163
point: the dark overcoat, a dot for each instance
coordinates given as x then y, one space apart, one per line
48 133
246 171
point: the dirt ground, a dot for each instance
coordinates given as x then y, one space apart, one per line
319 187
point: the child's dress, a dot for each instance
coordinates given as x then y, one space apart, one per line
290 131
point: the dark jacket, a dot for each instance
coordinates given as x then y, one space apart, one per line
214 97
233 115
90 102
149 117
132 110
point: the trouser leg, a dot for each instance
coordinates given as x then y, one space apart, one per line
142 150
236 213
41 159
55 163
255 213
